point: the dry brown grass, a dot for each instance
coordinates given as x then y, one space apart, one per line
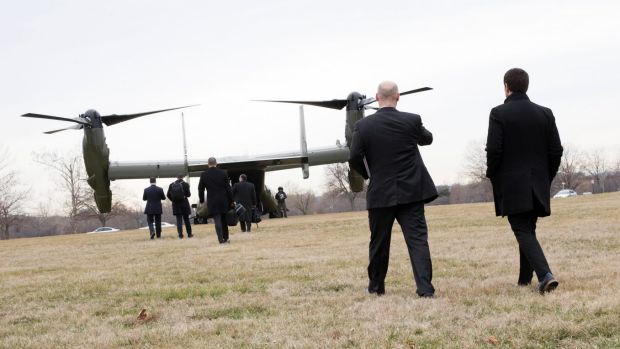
299 283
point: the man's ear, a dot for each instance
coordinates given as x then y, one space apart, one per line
507 90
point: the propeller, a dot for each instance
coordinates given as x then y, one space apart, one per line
373 99
333 104
114 119
75 127
88 118
341 103
43 116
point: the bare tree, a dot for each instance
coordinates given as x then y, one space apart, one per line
475 164
596 166
12 194
72 180
475 169
569 173
301 199
338 184
118 209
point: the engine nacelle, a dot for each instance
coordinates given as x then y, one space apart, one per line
356 181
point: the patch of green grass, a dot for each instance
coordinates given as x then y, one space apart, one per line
180 293
335 288
25 320
234 312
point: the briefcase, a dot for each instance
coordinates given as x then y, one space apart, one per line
240 210
231 218
256 216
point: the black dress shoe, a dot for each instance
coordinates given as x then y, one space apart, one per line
427 295
152 236
524 283
373 291
180 236
190 235
548 283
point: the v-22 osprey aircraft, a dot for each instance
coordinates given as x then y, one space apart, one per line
101 170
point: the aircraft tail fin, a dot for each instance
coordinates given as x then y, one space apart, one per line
305 167
185 161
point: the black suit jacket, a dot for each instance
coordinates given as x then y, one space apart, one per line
245 194
219 195
180 207
153 195
388 142
523 155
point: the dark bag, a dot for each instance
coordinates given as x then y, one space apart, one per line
240 210
176 192
231 218
256 216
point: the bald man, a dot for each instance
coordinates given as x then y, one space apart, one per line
385 150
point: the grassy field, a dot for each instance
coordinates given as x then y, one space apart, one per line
298 283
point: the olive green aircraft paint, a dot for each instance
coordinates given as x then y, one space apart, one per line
95 150
97 161
101 171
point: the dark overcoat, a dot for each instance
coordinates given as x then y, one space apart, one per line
153 195
180 207
245 194
385 149
523 155
219 195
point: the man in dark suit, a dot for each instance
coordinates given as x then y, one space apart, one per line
385 149
178 192
244 193
523 155
219 197
153 195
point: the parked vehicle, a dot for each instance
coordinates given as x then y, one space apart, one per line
564 193
104 230
163 225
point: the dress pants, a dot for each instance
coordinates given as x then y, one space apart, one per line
188 225
245 221
150 218
246 226
532 257
411 219
221 227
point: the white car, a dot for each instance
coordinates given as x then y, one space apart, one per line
564 193
104 230
163 225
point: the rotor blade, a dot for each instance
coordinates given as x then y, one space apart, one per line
416 90
333 104
373 99
75 127
113 119
43 116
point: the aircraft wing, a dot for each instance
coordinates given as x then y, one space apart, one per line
266 162
293 161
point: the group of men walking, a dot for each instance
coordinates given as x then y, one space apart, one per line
523 155
178 192
219 200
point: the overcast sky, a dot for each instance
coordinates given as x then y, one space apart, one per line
64 57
